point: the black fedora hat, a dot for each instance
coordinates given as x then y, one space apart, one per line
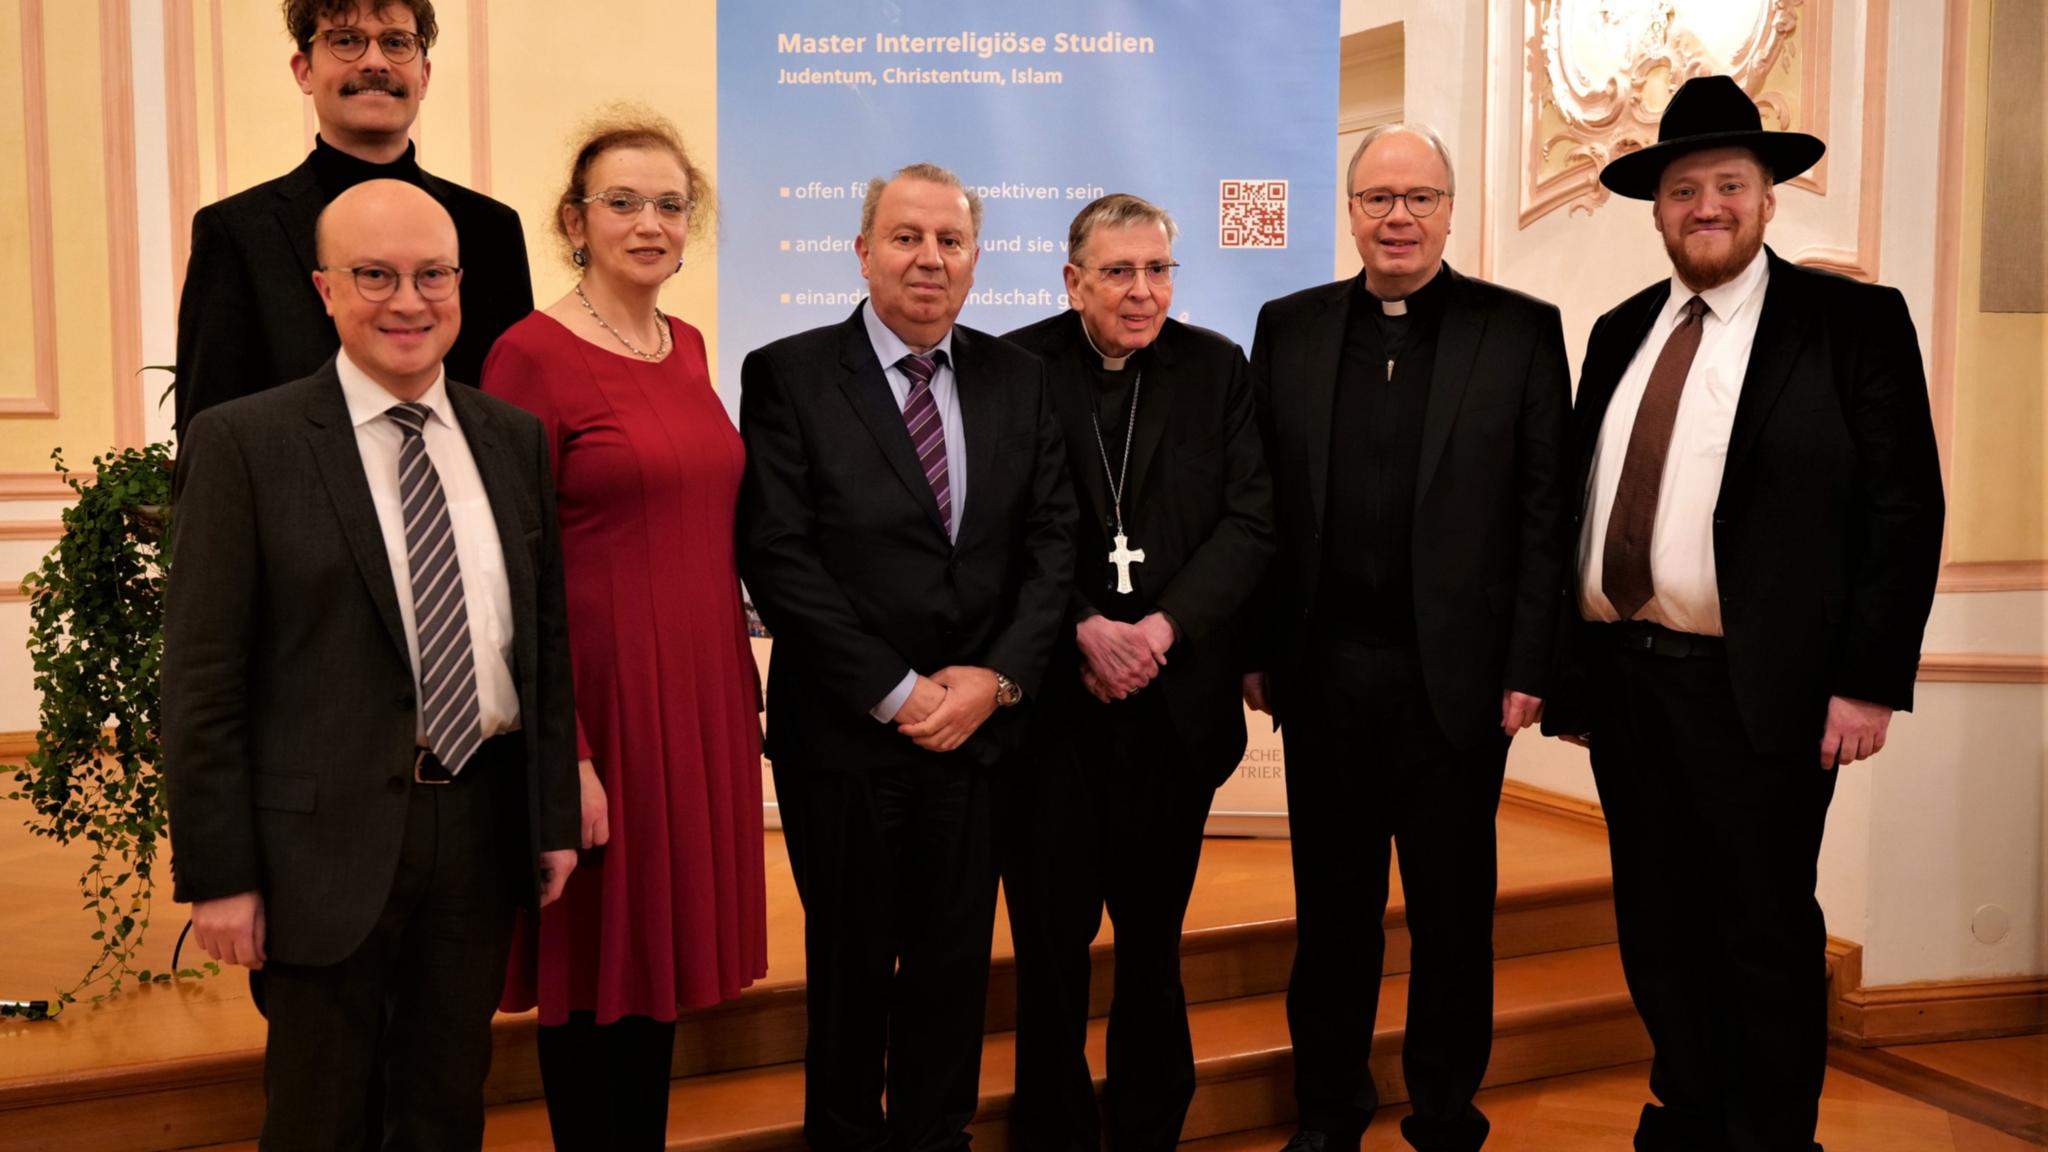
1710 112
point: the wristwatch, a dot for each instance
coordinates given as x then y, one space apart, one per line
1007 692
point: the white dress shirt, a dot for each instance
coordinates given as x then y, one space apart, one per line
1687 594
485 592
889 348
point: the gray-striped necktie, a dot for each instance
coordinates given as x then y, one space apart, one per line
447 660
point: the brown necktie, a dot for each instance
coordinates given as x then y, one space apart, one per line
1625 565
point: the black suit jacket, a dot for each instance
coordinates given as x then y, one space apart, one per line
289 716
843 552
1198 502
250 317
1488 550
1827 530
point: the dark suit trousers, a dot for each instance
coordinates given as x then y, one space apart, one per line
1107 814
1715 849
413 1003
896 870
1368 766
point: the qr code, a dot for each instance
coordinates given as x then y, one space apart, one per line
1253 214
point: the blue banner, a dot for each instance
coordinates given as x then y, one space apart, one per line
1222 112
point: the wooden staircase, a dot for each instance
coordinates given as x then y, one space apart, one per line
1560 1007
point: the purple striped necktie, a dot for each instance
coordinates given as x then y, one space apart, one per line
927 431
448 696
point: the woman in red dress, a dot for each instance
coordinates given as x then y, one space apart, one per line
667 910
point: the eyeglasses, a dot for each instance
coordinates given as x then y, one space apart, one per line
1125 275
624 203
348 44
375 283
1377 202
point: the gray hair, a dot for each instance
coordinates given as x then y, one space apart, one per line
1116 210
1413 129
930 173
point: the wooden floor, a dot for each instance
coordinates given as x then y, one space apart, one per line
1596 1112
2016 1066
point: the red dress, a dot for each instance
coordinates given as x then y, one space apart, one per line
672 913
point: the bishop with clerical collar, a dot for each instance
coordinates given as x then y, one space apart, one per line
1415 420
1139 719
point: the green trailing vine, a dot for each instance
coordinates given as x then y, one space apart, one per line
96 638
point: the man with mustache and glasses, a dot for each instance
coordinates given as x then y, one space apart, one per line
250 317
1758 529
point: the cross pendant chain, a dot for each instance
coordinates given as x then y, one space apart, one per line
1123 556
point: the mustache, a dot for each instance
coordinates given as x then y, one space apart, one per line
374 83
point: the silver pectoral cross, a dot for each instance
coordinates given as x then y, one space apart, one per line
1123 557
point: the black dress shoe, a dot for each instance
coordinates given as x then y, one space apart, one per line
1307 1141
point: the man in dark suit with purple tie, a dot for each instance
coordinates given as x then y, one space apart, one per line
906 530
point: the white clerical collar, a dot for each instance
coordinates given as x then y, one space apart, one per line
1109 363
367 399
1392 307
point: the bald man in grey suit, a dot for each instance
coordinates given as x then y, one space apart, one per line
369 738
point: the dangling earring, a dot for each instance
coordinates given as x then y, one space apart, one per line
580 257
679 264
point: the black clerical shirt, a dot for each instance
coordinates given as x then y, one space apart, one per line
1383 383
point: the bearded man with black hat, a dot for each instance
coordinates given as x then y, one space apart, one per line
1758 536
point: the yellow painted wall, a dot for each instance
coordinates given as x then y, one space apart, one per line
78 204
267 117
442 130
1998 480
17 348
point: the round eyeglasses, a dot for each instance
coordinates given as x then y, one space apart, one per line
348 44
376 283
1377 202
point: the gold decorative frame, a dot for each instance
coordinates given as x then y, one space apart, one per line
1574 124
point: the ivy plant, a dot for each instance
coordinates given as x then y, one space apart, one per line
96 638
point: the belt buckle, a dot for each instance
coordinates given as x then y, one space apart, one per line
1646 641
420 757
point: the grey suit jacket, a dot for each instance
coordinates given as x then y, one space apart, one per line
288 699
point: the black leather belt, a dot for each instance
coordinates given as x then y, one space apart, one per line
1657 640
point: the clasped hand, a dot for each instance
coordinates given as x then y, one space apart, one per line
947 707
1118 659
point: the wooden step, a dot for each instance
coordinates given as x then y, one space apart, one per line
1555 1013
1267 1139
176 1093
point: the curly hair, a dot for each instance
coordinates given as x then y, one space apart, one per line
302 17
630 126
